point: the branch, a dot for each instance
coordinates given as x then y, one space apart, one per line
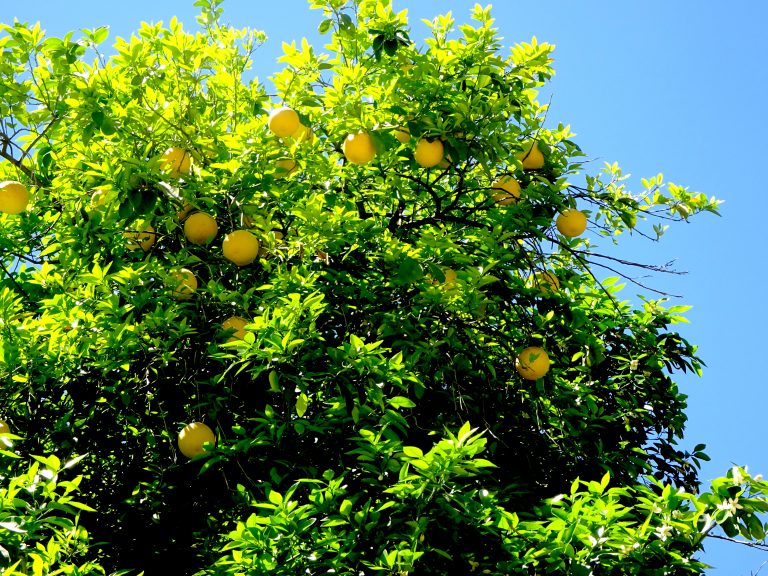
756 545
28 149
18 165
14 281
583 257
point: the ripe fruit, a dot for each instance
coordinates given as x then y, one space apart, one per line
358 148
4 428
510 190
236 324
571 223
546 282
143 237
177 162
304 134
14 197
532 363
183 283
193 436
403 135
184 212
284 167
200 228
283 122
428 154
531 156
240 247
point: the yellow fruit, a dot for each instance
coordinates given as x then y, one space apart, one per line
571 223
510 190
284 167
283 122
177 162
200 228
4 428
236 325
304 134
14 197
358 148
546 282
192 438
185 211
532 363
428 154
143 237
446 162
403 135
183 283
240 247
531 157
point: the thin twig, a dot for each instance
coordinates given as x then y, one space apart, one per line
756 545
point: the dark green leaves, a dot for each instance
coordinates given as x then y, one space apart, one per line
388 40
409 270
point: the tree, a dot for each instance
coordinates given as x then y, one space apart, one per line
424 371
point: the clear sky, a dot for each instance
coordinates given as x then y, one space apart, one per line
672 86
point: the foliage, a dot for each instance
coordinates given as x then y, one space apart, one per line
39 518
371 419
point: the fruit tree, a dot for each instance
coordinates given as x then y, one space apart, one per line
355 320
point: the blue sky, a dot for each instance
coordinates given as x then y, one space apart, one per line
676 87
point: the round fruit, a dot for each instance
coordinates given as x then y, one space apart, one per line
4 428
531 157
304 134
193 436
236 325
428 154
510 190
200 228
546 282
446 162
532 363
184 212
177 162
571 223
240 247
403 135
183 283
14 197
284 167
358 148
283 122
144 237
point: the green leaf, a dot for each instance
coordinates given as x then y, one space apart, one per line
345 22
274 381
301 405
409 271
275 497
401 402
346 507
413 452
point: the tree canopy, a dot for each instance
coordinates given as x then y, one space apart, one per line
356 319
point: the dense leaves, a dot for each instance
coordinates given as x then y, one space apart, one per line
371 416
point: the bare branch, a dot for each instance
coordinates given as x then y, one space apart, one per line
755 545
